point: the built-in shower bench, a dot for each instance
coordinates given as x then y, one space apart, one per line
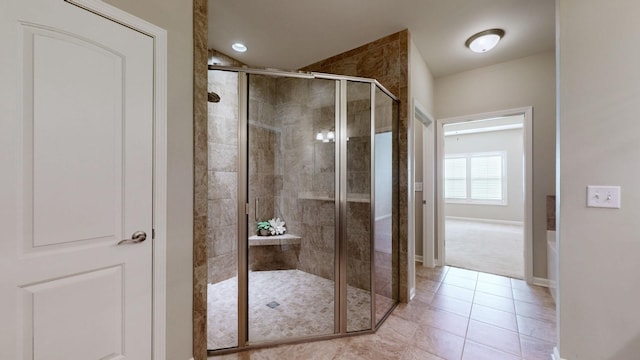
277 252
285 239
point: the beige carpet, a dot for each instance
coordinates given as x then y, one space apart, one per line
484 246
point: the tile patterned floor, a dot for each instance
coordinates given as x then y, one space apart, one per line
304 307
456 314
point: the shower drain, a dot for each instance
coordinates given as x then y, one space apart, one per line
273 304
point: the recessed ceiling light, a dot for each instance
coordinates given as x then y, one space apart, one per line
484 40
239 47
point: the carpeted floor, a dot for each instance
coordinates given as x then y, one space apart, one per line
485 246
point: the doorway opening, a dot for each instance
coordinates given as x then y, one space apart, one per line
484 193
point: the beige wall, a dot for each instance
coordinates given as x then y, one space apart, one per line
421 88
175 17
599 269
529 81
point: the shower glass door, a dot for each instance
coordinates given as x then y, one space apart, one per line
291 235
358 206
302 217
386 197
222 219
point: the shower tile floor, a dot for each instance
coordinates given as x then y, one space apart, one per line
284 304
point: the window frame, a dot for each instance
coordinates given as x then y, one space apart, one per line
468 179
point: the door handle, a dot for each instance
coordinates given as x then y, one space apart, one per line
136 237
255 210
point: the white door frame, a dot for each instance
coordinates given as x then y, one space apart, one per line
421 114
159 237
528 174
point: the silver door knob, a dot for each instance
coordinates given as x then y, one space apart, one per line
136 237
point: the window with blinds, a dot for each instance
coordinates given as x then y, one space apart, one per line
455 178
486 177
475 178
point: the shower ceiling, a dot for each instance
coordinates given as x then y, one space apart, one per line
290 34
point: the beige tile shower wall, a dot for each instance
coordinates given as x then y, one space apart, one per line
359 245
293 118
305 107
317 249
384 113
222 167
286 161
264 148
359 147
262 192
287 166
359 185
386 60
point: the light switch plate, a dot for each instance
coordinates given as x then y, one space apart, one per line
418 186
603 196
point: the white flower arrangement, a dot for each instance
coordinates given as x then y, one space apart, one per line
273 226
277 226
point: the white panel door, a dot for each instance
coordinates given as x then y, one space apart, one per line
76 122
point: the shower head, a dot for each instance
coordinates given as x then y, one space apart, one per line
213 97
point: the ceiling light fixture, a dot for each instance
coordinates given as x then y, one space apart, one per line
484 40
239 47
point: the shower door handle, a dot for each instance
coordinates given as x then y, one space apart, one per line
136 237
255 210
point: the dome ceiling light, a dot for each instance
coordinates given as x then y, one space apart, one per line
239 47
484 40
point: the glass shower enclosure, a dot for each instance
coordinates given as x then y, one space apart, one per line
303 204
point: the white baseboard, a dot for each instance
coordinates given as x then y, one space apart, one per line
556 354
541 282
420 259
493 221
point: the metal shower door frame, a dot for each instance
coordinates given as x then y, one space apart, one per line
340 201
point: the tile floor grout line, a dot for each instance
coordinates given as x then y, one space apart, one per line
466 333
517 324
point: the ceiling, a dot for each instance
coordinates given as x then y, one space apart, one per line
290 34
